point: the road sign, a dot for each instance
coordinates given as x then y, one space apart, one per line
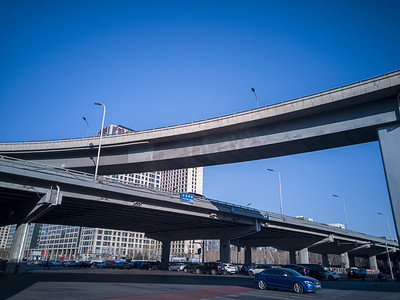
186 197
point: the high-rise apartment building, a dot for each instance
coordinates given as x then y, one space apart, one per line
70 242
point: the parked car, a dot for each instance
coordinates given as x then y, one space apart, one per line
70 264
253 270
230 269
213 268
286 279
83 264
298 268
331 275
149 265
191 267
176 267
55 263
244 269
119 265
103 265
315 270
356 273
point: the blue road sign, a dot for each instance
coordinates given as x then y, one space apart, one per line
186 197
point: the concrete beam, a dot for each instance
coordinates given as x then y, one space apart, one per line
326 240
229 233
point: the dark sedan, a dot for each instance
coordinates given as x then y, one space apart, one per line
298 268
286 279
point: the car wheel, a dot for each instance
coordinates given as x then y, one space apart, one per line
262 285
213 272
330 277
251 273
185 270
298 288
198 271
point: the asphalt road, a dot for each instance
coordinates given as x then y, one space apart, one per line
110 284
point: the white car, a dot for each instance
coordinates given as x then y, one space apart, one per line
331 275
176 267
230 269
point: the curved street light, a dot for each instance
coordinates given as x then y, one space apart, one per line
344 208
254 91
101 136
87 132
280 187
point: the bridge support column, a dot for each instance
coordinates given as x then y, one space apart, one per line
225 250
345 260
325 260
247 256
389 141
396 264
352 261
292 257
14 264
372 263
303 256
165 252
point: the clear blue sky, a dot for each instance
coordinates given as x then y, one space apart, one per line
157 63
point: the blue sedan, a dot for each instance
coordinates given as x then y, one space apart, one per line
286 279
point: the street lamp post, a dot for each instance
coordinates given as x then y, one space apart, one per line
344 208
387 249
387 221
254 91
87 132
101 136
280 188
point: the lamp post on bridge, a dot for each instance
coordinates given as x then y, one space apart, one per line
101 135
280 188
254 91
87 132
344 208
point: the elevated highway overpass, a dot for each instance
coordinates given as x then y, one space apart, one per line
356 113
33 192
342 116
360 112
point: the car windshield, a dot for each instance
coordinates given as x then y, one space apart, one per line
293 273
